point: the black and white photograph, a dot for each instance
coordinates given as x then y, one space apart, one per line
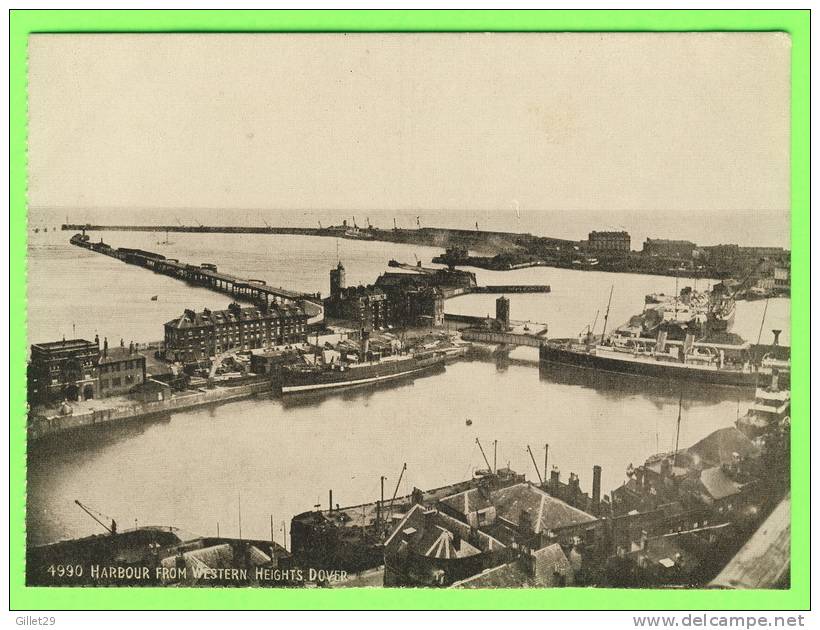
429 310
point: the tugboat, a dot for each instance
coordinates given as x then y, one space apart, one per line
335 372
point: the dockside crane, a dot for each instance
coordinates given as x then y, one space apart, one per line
90 511
537 472
389 514
486 461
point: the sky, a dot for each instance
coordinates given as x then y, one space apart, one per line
651 123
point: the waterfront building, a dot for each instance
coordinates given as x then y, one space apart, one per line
77 370
609 243
719 257
63 370
665 248
120 369
195 337
396 299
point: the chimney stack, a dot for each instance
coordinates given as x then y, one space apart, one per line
776 333
596 489
330 499
105 347
555 479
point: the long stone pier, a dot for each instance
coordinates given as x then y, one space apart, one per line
207 275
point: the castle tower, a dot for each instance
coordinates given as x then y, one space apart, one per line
337 280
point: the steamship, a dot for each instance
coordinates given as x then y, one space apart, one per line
335 372
705 363
712 363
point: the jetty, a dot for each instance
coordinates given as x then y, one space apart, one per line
207 275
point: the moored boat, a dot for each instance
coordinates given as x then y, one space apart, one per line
717 364
333 370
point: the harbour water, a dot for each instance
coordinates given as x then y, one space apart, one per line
192 469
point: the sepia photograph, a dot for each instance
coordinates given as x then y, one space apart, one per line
389 310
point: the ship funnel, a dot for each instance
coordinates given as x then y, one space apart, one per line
364 346
776 334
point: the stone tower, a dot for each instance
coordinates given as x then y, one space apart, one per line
502 313
337 280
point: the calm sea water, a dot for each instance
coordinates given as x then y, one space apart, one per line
191 468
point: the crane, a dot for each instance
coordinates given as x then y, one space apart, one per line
90 511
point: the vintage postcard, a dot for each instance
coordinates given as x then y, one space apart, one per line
439 310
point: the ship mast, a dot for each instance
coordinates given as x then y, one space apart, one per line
606 315
677 432
762 321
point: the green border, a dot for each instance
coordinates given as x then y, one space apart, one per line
795 22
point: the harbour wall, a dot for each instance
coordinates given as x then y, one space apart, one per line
478 240
41 426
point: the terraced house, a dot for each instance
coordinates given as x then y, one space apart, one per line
195 337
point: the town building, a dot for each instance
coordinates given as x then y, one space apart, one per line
665 248
782 279
63 370
395 300
547 567
195 337
120 369
609 243
78 370
720 256
428 547
522 514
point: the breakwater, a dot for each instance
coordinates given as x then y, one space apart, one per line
500 251
478 240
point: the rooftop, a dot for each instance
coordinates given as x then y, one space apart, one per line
547 561
546 511
118 354
65 344
191 319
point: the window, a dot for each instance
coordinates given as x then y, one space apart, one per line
116 382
